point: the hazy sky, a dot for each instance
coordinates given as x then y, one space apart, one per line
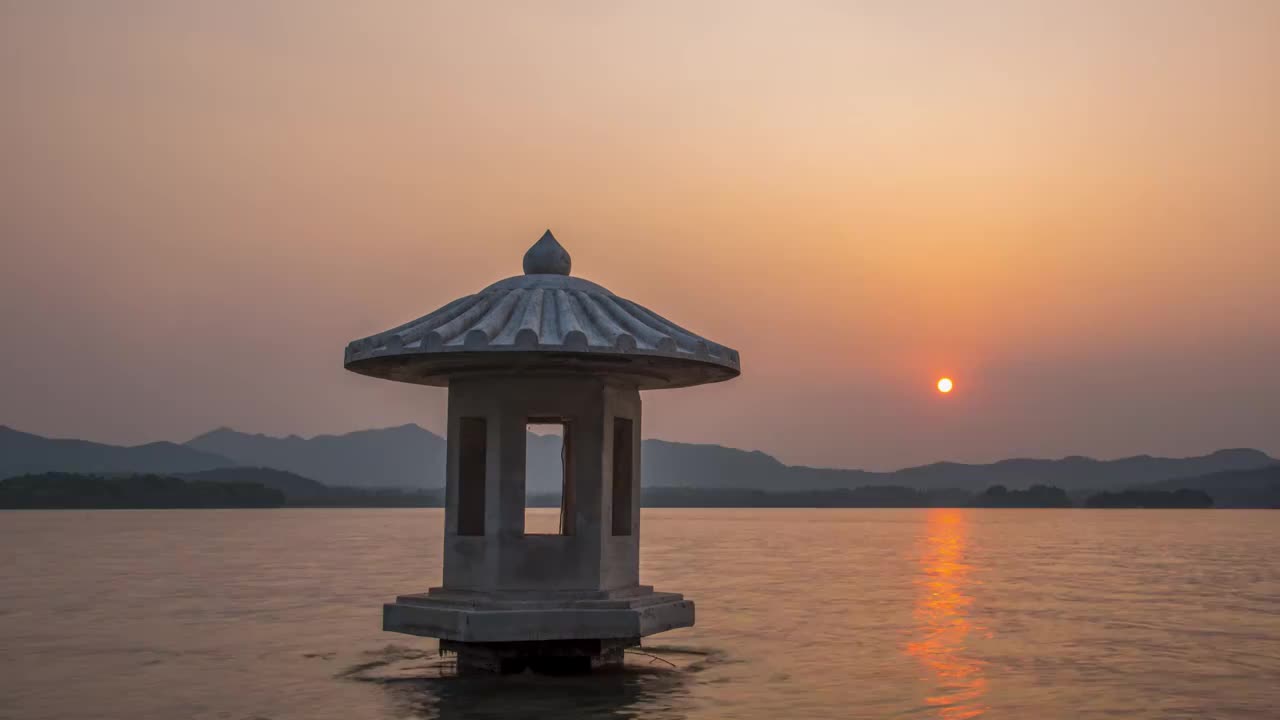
1071 208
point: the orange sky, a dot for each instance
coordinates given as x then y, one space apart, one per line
1074 211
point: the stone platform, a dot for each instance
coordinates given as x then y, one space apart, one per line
460 616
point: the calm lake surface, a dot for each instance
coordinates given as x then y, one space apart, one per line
248 614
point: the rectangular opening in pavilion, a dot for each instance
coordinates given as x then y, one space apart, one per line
548 472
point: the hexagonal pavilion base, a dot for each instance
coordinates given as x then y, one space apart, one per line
550 631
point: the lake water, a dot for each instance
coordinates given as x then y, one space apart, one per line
250 614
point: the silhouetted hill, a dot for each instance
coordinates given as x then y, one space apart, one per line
685 465
295 487
23 453
406 456
1253 488
74 490
863 497
304 492
1074 473
1181 499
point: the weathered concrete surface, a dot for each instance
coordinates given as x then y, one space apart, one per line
481 618
504 557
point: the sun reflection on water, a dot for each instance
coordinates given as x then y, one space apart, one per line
943 624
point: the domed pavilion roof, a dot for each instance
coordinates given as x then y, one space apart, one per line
543 321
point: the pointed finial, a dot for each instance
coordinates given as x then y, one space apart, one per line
547 257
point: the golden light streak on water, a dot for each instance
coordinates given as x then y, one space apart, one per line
944 623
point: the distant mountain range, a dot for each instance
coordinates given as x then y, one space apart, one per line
406 456
22 453
668 464
410 457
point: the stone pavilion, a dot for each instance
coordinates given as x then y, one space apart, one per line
542 348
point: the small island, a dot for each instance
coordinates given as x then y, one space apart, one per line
1036 496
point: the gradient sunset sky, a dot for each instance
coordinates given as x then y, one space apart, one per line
1072 208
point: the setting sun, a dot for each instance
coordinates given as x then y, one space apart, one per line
944 385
